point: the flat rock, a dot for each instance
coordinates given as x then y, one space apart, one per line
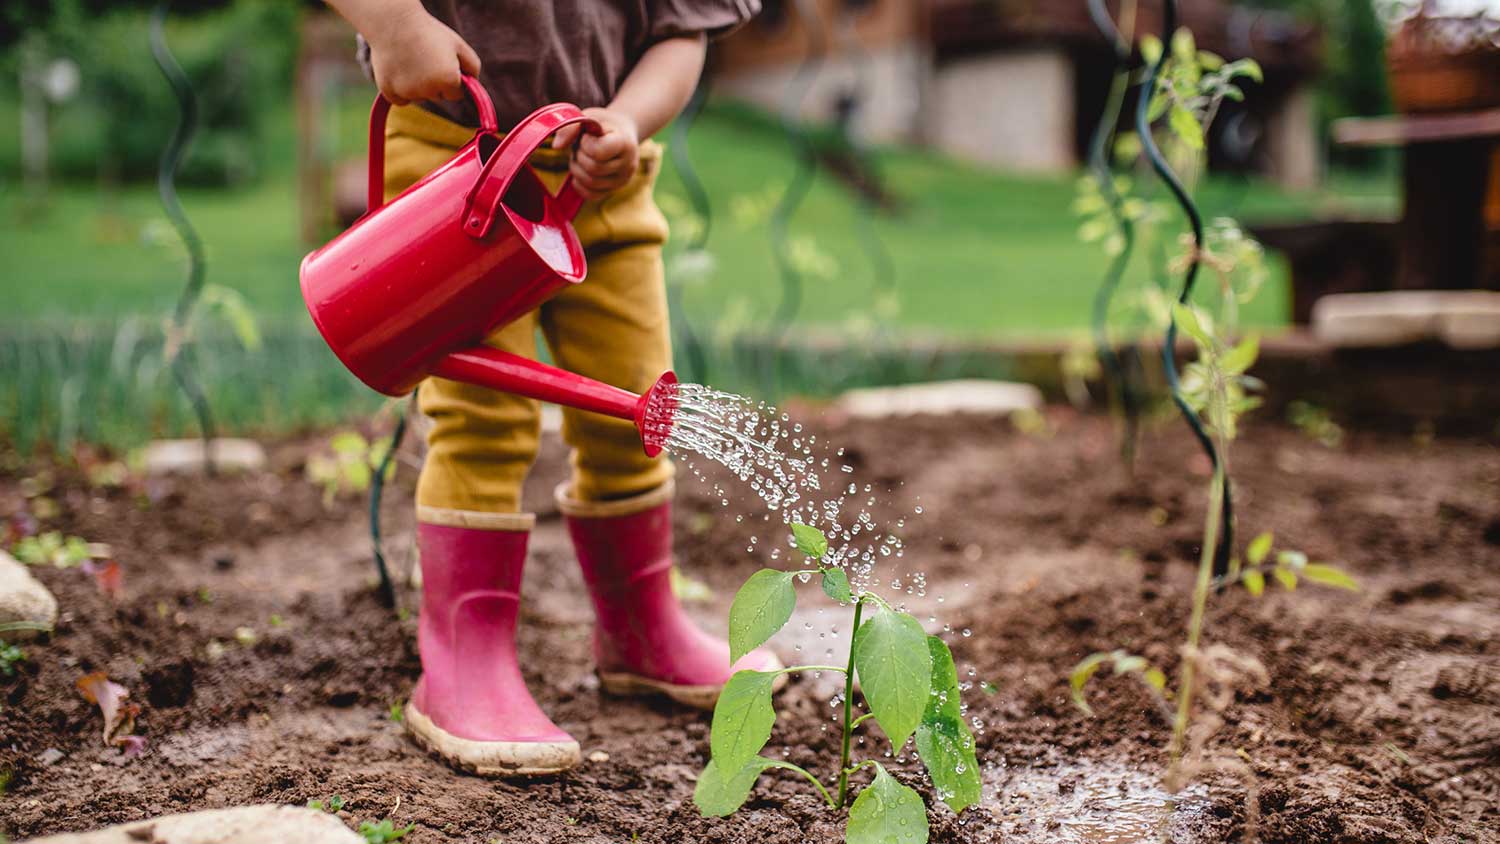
1462 319
165 457
23 599
972 396
242 825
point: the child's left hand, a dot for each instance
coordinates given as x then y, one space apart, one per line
603 162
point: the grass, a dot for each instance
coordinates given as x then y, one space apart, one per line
90 274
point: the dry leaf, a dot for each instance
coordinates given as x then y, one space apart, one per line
119 713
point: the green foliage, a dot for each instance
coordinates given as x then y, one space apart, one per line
944 742
332 805
1216 385
52 548
239 61
895 672
10 656
1124 663
908 680
383 832
887 812
1316 422
1288 567
349 467
761 607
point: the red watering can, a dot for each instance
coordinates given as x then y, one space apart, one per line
416 284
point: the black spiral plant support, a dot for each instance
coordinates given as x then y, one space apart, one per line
692 345
1117 374
166 187
386 591
853 101
1190 275
797 188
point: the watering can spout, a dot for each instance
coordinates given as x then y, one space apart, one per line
653 412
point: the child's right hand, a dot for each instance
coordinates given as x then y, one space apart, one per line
417 57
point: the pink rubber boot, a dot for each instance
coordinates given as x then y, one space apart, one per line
471 706
644 642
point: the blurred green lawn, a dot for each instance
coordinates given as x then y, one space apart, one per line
974 252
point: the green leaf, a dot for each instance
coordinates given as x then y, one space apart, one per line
1187 320
1155 678
1293 560
1186 127
836 586
1259 547
894 668
1286 578
1210 61
719 794
1150 49
1245 67
743 718
1327 575
887 812
810 540
1255 582
943 740
1239 359
1080 678
1183 47
760 608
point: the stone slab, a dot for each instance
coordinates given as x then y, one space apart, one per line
1461 319
972 396
165 457
23 599
241 825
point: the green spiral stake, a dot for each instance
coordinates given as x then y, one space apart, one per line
386 592
1223 548
697 370
1116 373
177 352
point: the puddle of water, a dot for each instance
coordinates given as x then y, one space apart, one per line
1108 803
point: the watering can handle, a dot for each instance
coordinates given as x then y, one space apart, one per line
515 151
382 107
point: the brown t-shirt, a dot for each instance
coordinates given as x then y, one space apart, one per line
535 52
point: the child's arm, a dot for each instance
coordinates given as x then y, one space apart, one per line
414 55
653 93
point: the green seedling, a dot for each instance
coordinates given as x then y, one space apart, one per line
332 805
397 712
1315 422
383 832
52 548
10 657
908 681
349 468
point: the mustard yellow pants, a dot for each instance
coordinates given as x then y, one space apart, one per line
612 327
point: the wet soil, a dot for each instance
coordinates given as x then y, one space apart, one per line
249 632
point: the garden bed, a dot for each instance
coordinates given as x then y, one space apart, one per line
249 632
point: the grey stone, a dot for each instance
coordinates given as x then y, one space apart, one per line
242 825
1463 319
975 396
164 457
23 599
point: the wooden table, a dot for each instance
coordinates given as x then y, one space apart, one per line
1449 234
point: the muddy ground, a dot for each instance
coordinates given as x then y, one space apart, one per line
1381 721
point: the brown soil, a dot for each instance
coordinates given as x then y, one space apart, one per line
1381 722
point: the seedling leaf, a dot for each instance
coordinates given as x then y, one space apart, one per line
1187 320
1255 582
836 586
1329 576
1186 127
743 719
718 794
761 607
1080 678
887 812
810 540
1286 578
1239 359
1259 548
943 740
895 672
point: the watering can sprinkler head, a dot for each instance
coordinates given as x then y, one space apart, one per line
413 287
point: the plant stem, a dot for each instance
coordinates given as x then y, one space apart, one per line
861 720
777 763
859 606
1201 589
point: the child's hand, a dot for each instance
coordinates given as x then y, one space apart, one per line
417 57
606 161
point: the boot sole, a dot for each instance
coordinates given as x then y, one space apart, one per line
698 697
491 758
